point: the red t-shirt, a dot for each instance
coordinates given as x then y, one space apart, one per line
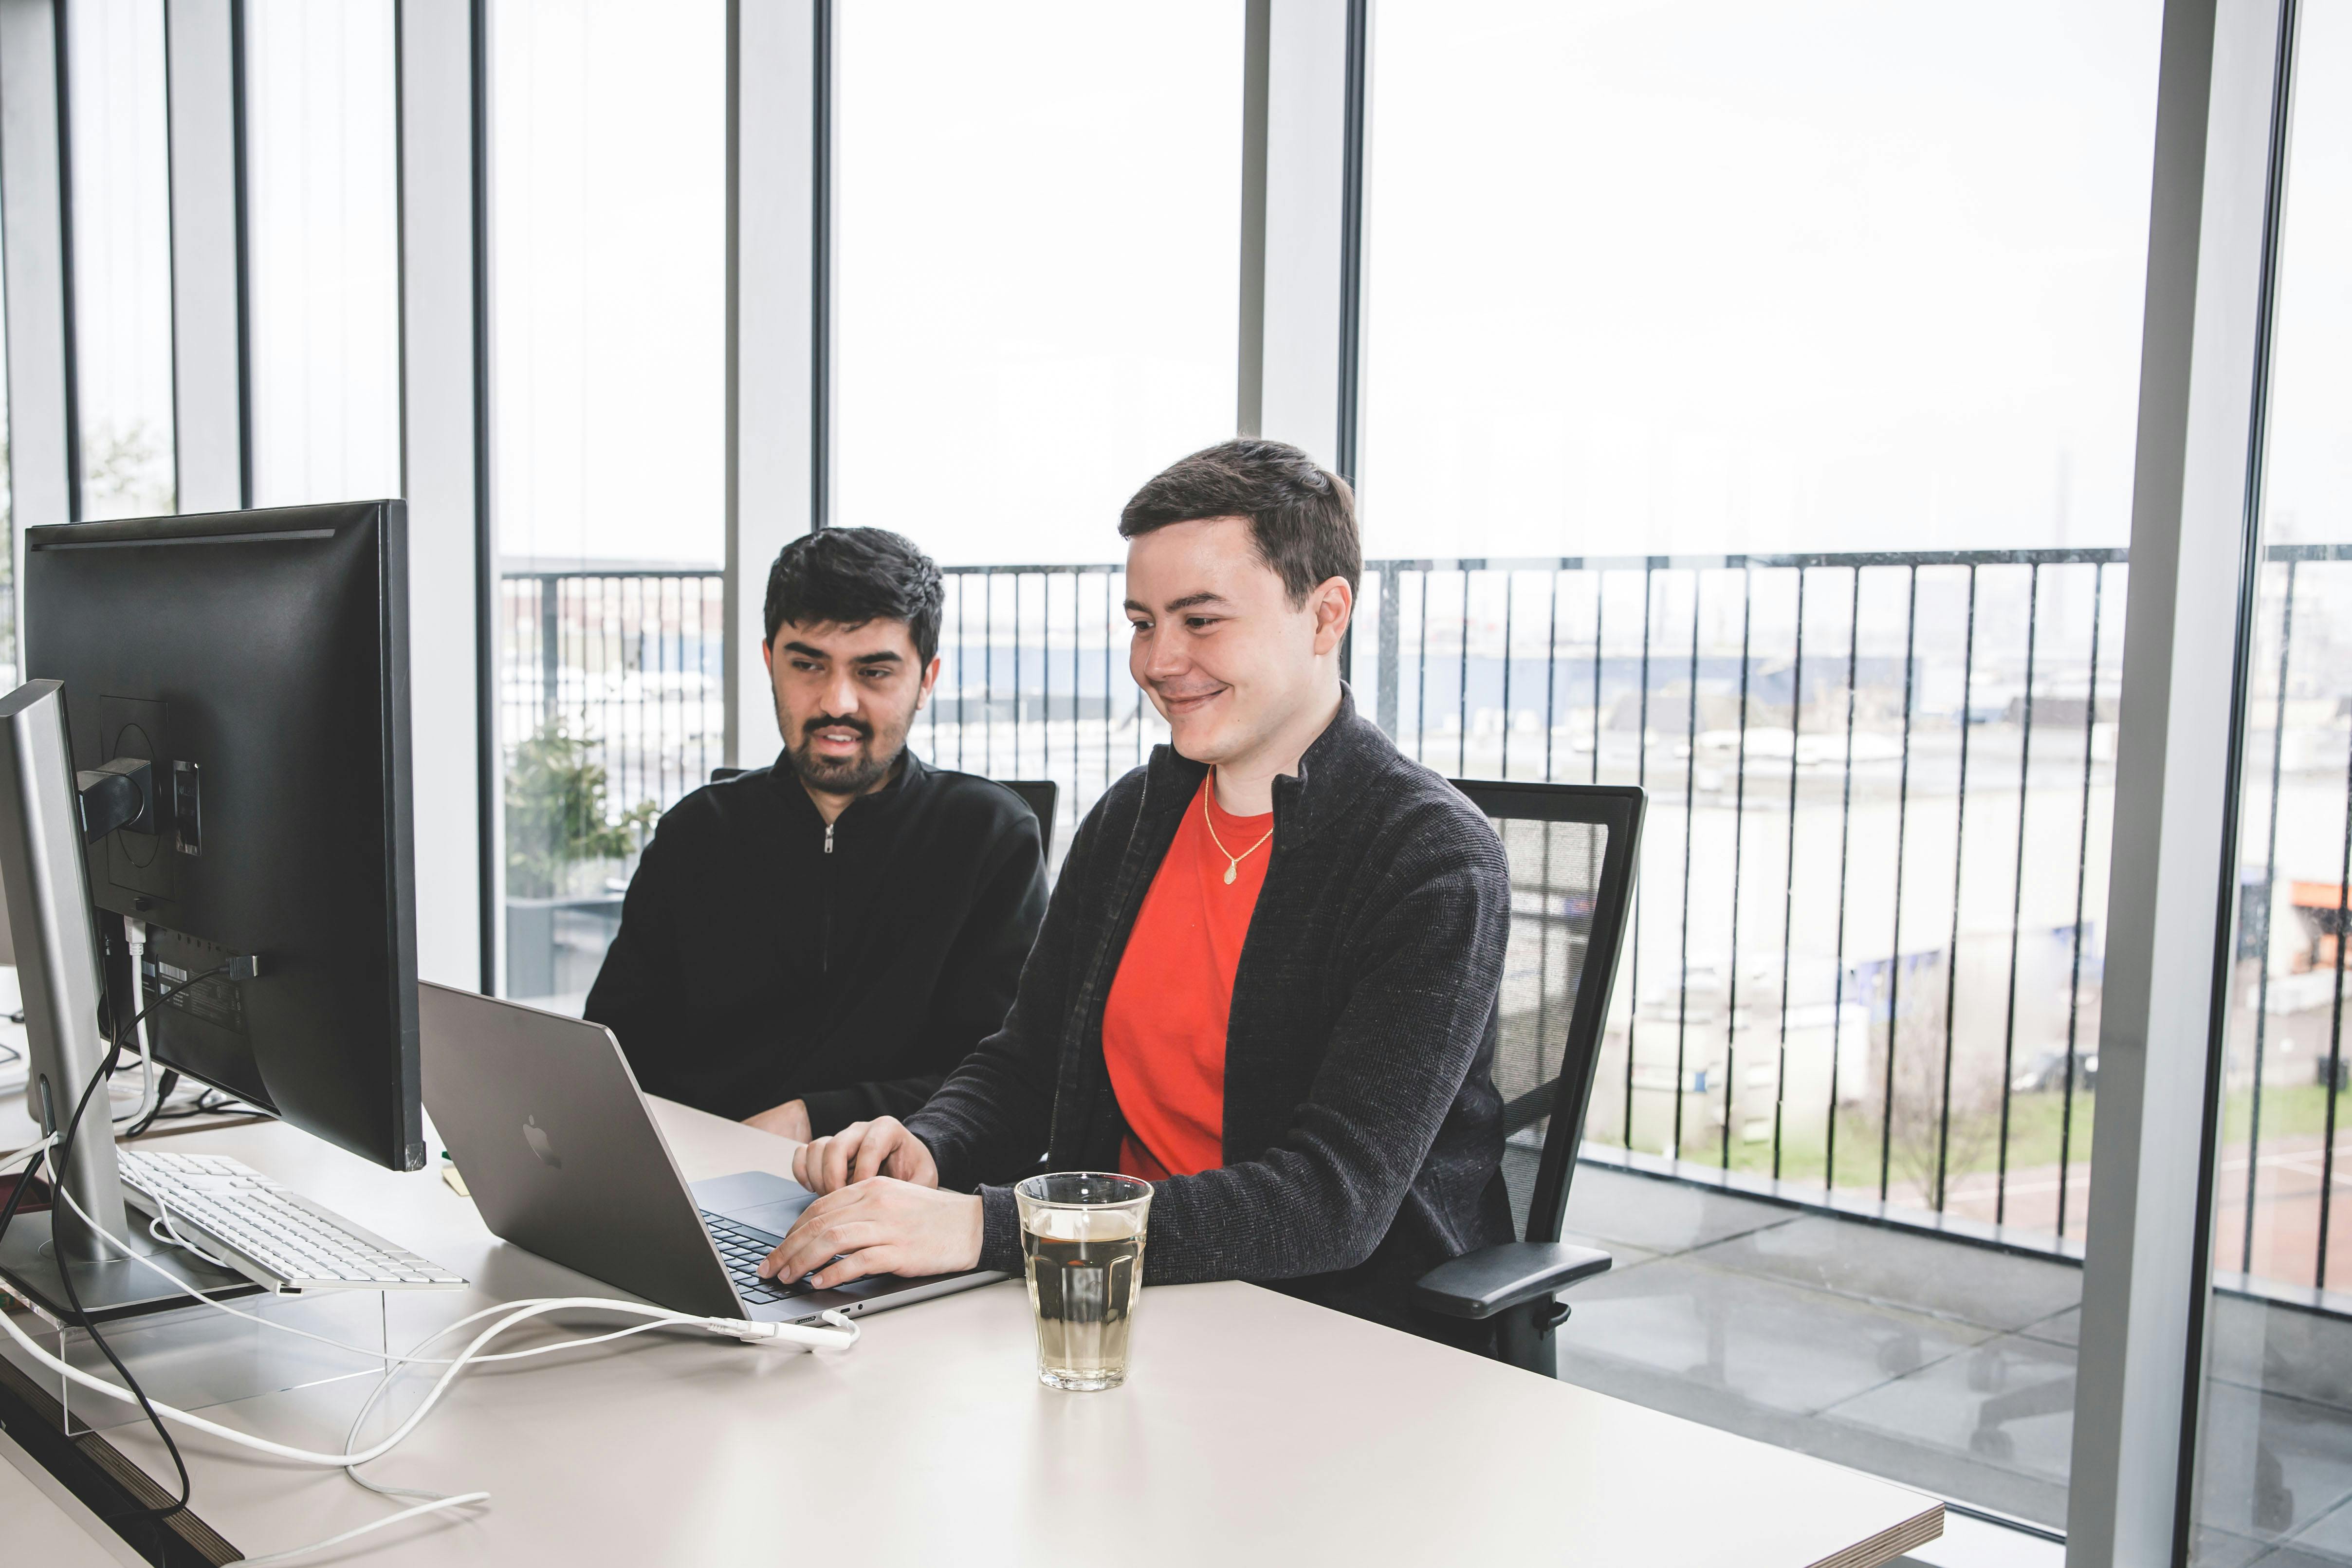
1164 1025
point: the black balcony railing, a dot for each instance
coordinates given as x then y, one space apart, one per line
1866 963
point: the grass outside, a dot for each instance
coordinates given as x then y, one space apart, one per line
2038 1127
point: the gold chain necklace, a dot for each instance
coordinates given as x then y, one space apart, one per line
1233 861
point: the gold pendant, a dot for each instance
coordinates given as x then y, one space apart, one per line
1229 873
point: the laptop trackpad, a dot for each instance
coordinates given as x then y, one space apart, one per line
755 1198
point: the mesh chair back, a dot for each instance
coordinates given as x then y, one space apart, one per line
1042 795
1572 849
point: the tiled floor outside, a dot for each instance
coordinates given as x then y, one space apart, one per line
1935 1364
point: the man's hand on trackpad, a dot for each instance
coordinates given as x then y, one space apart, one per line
879 1225
882 1147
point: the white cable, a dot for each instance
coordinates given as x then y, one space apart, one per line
160 1229
27 1152
377 1353
135 938
841 1334
436 1506
726 1327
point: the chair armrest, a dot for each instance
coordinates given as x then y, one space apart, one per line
1497 1279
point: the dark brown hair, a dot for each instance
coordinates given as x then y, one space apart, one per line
851 576
1302 516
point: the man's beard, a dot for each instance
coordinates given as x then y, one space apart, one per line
850 775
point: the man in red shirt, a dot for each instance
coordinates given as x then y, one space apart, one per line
1268 979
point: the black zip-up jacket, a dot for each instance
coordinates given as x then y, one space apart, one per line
1364 1135
764 956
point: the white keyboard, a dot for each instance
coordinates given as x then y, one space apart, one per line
277 1237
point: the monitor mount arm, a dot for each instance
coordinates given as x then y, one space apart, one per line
46 816
116 794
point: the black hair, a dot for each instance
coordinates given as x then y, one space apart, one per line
847 576
1302 516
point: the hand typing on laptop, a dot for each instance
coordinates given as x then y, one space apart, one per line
882 1147
880 1211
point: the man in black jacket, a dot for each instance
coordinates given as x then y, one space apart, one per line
817 942
1320 1116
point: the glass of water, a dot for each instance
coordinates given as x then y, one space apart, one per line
1082 1248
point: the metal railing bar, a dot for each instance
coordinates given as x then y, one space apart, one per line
1952 947
1846 840
1044 675
1788 885
1600 625
2017 884
1551 672
2082 882
1738 835
2269 905
1421 700
988 676
603 575
1510 595
1734 562
1902 824
1462 685
1690 823
1640 779
2336 1034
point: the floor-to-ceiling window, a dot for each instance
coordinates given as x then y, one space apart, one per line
122 214
1039 220
1749 413
2275 1437
607 237
324 310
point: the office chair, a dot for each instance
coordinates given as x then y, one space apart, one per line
1573 855
1039 795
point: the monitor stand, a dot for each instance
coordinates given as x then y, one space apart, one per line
114 1288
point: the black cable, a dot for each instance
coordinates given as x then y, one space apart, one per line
25 1179
165 1085
65 1275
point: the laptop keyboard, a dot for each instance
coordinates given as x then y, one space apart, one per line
741 1248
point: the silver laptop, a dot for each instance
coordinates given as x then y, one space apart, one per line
544 1121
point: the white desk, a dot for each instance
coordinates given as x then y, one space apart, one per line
1255 1429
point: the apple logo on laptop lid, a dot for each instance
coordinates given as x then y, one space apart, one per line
541 1144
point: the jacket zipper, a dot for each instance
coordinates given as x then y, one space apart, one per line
824 915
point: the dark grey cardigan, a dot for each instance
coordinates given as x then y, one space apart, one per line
1363 1133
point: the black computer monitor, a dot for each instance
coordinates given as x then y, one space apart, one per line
260 659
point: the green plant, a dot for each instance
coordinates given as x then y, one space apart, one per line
559 814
